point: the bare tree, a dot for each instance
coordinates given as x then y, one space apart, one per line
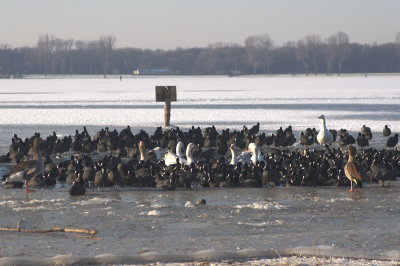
303 54
397 44
314 43
104 49
44 49
67 46
331 52
57 45
343 48
259 50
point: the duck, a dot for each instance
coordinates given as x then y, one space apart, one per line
324 135
114 176
167 184
305 140
386 131
37 181
268 176
77 189
361 140
365 129
26 170
392 141
101 178
354 170
5 158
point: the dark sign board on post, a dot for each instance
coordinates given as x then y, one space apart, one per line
161 91
166 94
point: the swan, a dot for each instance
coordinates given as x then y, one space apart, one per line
234 160
324 135
170 157
189 156
256 154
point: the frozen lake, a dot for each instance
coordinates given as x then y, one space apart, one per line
235 223
346 101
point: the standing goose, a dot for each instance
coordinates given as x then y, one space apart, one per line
153 155
26 170
324 135
354 170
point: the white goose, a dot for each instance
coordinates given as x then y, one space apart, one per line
170 157
324 135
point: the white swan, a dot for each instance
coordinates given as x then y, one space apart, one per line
189 156
324 135
170 157
234 160
256 154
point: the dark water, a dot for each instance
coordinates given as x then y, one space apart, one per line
134 221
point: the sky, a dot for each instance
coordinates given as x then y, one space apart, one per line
161 24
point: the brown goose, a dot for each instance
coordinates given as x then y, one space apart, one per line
153 155
27 170
354 170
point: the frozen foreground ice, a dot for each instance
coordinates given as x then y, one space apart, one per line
150 225
264 226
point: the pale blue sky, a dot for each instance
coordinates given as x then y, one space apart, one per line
167 24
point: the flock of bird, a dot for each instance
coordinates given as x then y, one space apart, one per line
173 159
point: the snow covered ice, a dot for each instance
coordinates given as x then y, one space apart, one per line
149 225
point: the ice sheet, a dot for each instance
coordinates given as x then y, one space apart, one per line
346 101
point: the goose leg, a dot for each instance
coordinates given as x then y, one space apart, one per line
27 188
351 186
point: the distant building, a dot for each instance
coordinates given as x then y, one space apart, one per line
153 72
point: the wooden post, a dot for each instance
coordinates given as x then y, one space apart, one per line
166 94
167 106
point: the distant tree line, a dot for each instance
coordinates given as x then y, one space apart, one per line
259 55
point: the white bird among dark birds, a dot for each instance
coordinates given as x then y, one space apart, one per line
170 157
26 170
324 135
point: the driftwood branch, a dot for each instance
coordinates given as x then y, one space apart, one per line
89 237
51 230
